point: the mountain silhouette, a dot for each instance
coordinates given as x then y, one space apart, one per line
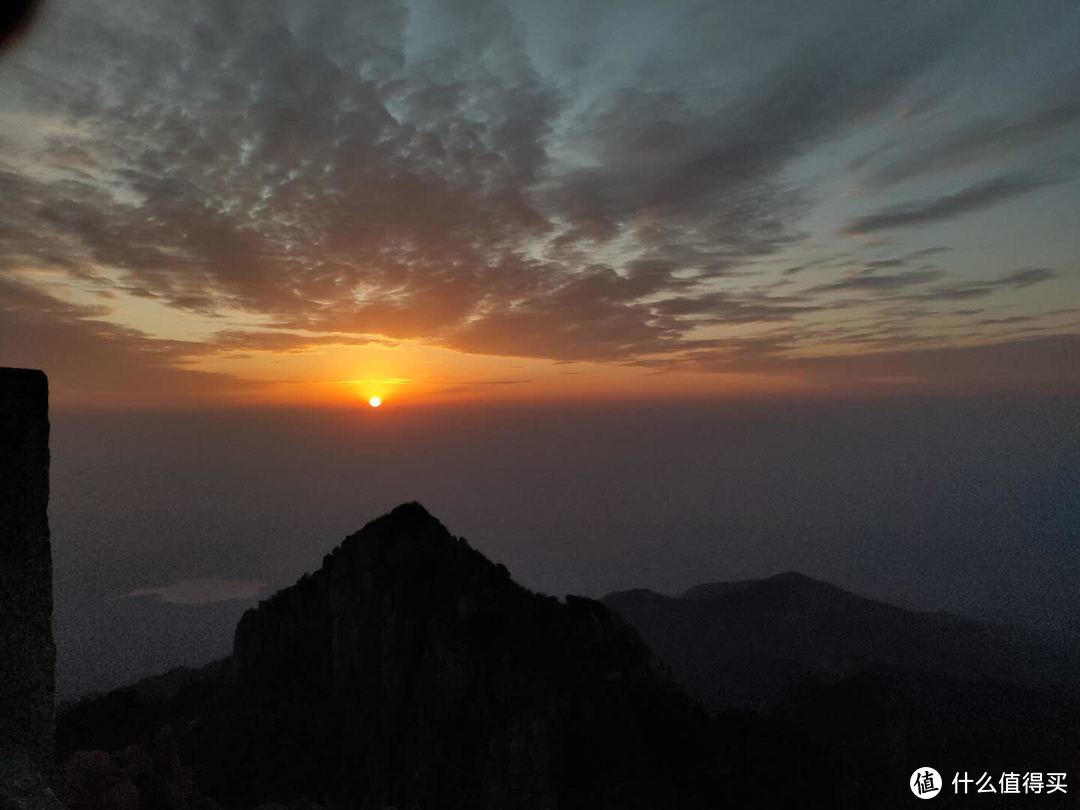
879 689
747 644
410 671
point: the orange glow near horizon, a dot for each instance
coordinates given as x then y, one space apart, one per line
411 374
417 374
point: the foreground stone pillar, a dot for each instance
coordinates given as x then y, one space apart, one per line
27 653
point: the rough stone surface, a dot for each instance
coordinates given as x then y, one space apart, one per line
139 777
412 672
27 653
22 787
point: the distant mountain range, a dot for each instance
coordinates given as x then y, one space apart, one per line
748 644
878 688
411 672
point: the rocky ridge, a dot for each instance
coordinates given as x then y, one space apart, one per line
410 671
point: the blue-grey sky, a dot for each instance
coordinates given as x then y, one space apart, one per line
255 199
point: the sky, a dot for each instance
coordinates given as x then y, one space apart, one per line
207 204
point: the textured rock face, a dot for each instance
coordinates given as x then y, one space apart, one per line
146 776
27 654
412 672
22 787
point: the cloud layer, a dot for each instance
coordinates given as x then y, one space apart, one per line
472 176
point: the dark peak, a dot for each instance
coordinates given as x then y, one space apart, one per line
793 580
788 582
412 511
410 544
407 542
410 517
407 522
794 577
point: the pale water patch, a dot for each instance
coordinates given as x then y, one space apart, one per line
201 591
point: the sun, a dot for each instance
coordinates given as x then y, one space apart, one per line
375 402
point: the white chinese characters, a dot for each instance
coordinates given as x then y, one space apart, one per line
1033 782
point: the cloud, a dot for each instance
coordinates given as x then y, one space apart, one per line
377 171
973 198
1012 319
284 341
977 142
1036 363
320 168
668 170
728 308
480 384
871 281
1026 277
99 362
1017 279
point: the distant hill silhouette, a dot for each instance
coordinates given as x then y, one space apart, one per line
411 672
881 689
747 644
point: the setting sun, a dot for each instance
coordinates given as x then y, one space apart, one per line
375 402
